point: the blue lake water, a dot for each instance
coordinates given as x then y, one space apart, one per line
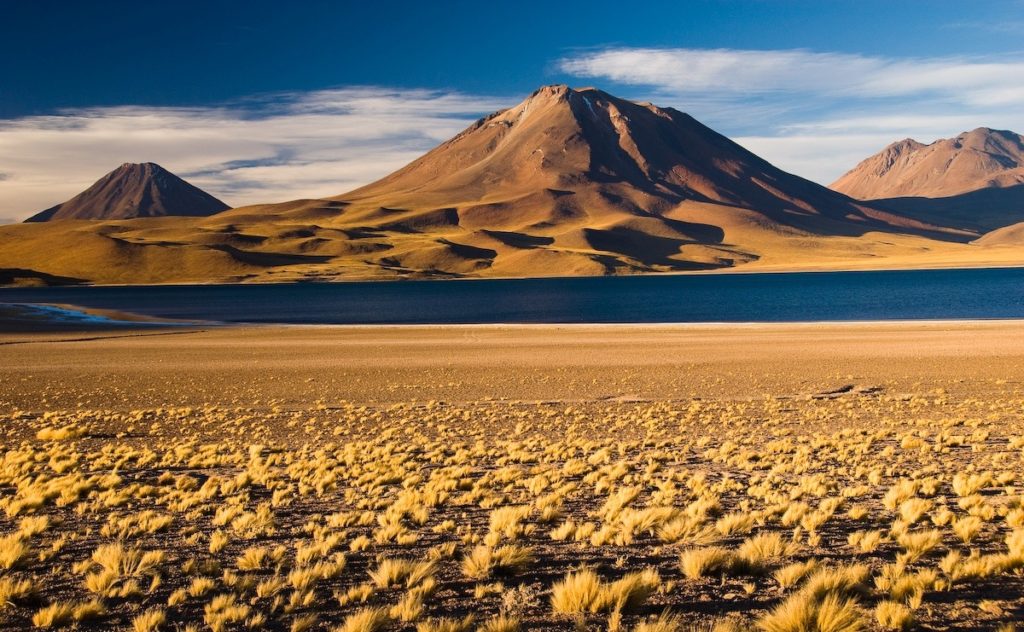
883 295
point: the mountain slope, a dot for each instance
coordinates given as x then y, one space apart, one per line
135 190
979 159
568 182
978 211
1011 235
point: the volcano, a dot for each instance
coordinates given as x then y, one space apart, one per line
585 154
135 190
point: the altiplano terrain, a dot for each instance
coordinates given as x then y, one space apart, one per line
775 477
393 340
568 182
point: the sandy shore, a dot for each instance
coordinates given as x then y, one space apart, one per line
378 365
34 318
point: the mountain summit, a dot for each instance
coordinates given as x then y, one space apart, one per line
135 190
979 159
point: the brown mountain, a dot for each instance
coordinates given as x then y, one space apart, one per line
568 182
979 159
135 190
974 181
565 154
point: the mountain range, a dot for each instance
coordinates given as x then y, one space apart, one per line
567 182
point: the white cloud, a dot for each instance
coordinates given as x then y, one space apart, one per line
719 70
817 114
792 72
818 157
269 149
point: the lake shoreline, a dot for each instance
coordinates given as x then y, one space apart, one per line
46 317
763 270
963 294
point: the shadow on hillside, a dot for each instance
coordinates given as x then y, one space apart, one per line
24 276
983 210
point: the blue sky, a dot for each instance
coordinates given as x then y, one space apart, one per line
259 101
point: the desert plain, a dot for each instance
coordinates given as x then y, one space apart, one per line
785 477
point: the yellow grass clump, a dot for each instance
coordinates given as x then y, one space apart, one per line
876 510
584 591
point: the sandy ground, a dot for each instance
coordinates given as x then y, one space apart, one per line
380 365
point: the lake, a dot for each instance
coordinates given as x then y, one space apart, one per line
811 296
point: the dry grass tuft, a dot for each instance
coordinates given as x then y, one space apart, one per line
364 620
697 563
484 561
893 615
583 591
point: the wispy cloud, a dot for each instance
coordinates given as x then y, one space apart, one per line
817 113
266 149
796 72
